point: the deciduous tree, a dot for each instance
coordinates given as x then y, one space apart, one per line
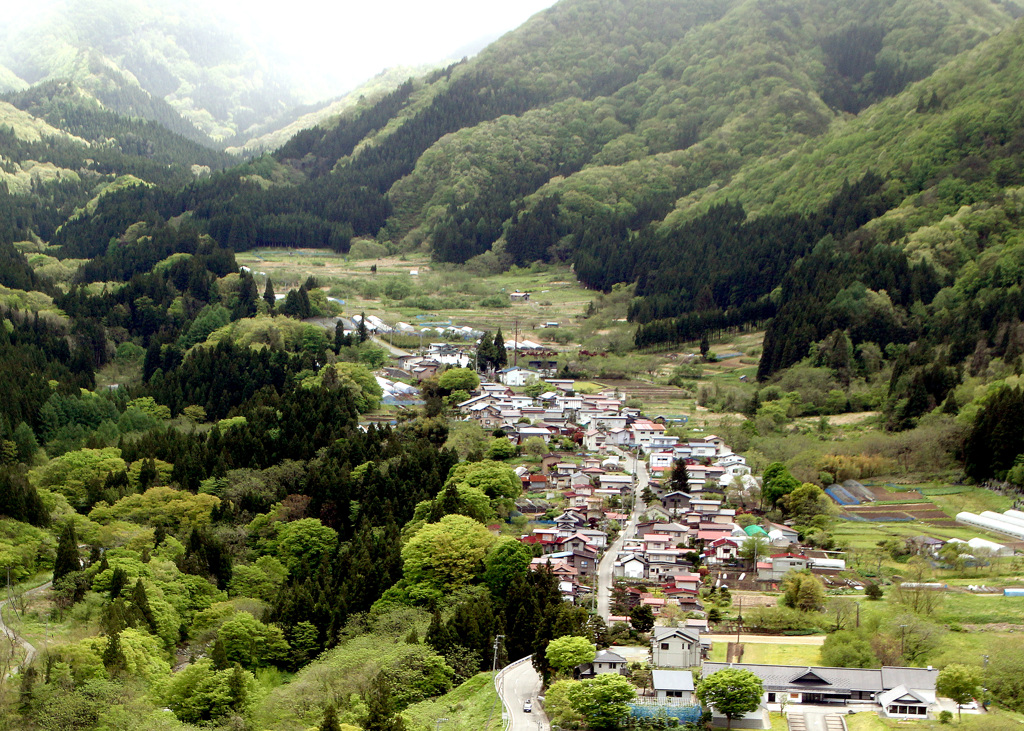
448 554
731 692
603 701
959 683
565 653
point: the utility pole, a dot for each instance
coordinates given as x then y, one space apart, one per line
515 345
494 667
497 642
903 632
739 618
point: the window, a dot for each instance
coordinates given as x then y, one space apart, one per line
664 645
771 697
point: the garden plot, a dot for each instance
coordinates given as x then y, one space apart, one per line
925 511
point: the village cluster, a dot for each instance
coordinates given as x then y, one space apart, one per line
589 509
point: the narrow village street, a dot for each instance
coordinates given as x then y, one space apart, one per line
605 580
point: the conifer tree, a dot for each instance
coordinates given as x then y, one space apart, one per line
485 352
380 708
247 296
118 582
140 606
500 354
330 722
269 297
67 559
362 334
113 656
218 655
680 479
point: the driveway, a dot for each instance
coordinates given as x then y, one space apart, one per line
518 683
816 718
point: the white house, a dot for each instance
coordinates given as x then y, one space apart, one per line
631 566
645 431
660 461
675 647
673 687
516 376
607 661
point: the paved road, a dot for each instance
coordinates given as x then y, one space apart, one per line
519 683
604 569
397 352
30 650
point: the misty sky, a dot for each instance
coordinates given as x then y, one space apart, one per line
358 39
352 39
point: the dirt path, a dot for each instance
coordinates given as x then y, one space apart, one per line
30 650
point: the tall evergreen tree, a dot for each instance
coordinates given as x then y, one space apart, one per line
247 297
680 479
362 334
330 722
269 297
500 354
485 355
380 707
67 559
113 656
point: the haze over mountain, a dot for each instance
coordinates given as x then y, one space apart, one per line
227 67
706 152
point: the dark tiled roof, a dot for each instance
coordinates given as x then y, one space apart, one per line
835 680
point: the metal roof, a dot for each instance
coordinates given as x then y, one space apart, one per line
672 679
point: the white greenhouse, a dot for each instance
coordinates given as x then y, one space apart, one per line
999 526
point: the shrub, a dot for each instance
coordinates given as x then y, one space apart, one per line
495 301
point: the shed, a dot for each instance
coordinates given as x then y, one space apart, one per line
673 686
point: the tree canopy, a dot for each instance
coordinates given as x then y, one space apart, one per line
732 692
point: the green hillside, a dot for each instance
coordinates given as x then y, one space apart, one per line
786 165
156 60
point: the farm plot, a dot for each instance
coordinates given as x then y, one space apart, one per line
884 495
926 512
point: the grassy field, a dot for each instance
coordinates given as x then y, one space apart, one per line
398 282
467 708
972 500
995 720
771 654
867 535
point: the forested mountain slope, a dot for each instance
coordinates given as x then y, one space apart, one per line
609 113
169 62
712 153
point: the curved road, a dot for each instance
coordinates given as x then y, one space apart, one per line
517 683
30 650
607 564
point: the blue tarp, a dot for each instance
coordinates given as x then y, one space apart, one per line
841 495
